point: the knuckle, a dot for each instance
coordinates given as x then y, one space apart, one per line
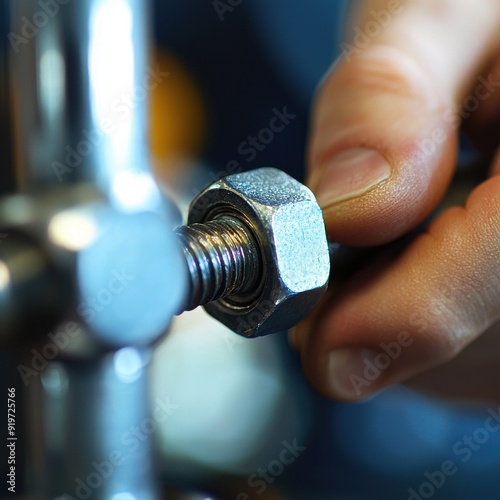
443 329
446 342
389 70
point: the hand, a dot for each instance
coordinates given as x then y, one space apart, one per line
383 150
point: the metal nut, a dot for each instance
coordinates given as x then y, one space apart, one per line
288 225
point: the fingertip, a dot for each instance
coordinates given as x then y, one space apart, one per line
392 192
348 374
382 150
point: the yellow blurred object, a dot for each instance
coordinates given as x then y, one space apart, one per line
178 119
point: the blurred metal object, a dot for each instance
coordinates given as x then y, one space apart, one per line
7 178
79 74
256 245
96 262
92 223
99 429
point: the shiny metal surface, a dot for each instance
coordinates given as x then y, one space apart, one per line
99 429
92 213
80 84
105 268
223 259
287 225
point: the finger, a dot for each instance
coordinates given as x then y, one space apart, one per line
473 375
412 312
384 131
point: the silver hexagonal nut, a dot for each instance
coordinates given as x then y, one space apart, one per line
288 225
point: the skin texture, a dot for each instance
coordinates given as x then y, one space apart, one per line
399 100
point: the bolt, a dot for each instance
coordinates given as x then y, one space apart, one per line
222 258
256 252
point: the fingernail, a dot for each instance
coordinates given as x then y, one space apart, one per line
350 174
353 373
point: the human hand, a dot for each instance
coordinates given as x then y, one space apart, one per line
383 150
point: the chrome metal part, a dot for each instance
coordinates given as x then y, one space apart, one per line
80 79
99 428
92 215
98 260
286 224
223 259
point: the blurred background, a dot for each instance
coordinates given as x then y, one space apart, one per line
242 422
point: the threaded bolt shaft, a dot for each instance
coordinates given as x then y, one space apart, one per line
222 258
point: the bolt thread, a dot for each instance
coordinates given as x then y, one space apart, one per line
222 258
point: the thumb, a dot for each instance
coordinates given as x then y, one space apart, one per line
384 131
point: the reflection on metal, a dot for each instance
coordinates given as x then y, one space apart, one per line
124 496
133 189
55 381
100 453
73 230
129 364
52 84
80 98
4 277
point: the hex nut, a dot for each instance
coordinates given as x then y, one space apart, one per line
288 225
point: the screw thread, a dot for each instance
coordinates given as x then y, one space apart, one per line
222 258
